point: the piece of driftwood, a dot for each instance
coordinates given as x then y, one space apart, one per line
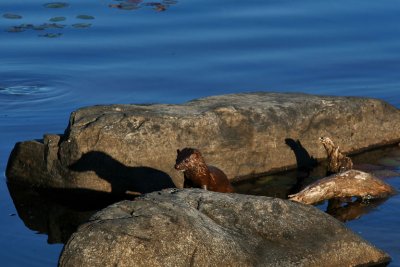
351 183
337 162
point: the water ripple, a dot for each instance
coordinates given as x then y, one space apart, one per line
24 89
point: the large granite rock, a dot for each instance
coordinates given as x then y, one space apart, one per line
195 227
119 148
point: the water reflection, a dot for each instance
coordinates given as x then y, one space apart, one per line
53 24
383 163
136 4
350 210
57 213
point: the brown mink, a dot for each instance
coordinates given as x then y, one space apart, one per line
198 174
337 162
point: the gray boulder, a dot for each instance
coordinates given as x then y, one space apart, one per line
195 227
132 148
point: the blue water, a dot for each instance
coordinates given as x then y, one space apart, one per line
191 49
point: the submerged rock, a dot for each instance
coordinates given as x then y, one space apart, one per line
194 227
347 184
243 134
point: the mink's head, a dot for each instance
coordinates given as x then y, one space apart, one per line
187 158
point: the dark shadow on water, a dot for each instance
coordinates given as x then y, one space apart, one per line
379 162
123 178
57 212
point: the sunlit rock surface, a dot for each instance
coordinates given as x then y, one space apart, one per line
194 227
119 148
347 184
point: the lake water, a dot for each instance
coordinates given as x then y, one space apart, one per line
59 57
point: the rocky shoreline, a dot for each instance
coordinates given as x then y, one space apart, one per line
130 150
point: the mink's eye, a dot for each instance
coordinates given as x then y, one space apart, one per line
186 160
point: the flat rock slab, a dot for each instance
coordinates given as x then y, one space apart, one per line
351 183
120 148
194 227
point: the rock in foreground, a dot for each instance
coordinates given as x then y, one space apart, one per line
348 184
195 227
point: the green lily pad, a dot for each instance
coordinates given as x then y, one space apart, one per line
84 17
57 19
15 29
56 5
170 2
39 28
81 25
124 6
51 35
12 16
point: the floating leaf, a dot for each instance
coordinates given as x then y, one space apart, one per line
81 25
51 35
39 28
15 29
84 17
12 16
170 2
124 6
57 19
56 5
27 26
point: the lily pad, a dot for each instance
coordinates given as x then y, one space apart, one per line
81 25
170 2
15 29
51 35
26 26
84 17
12 16
52 26
57 19
56 5
124 6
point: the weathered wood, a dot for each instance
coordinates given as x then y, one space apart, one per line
347 184
337 162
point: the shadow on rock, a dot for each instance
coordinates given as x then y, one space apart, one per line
123 179
305 163
57 212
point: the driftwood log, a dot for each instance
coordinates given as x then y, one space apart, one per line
347 184
337 162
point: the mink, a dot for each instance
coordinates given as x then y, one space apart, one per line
198 174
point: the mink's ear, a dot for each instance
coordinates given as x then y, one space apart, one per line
178 151
197 153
